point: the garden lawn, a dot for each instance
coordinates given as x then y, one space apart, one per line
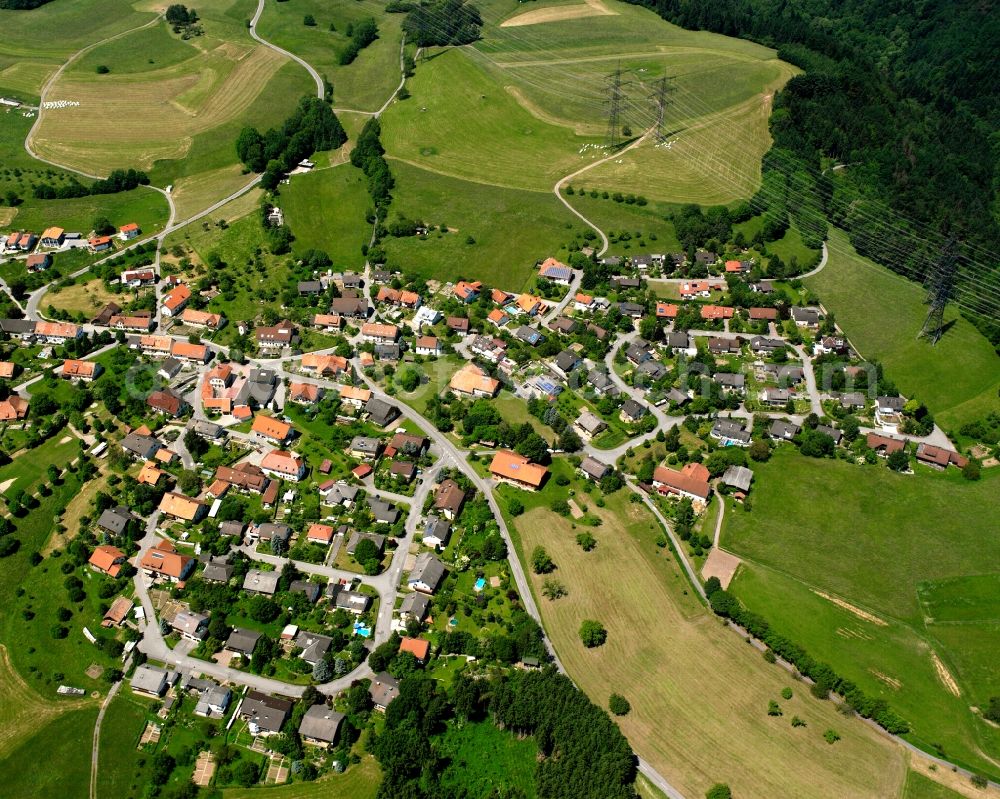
894 547
694 686
27 470
511 229
882 313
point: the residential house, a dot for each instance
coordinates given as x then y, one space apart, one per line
632 310
407 444
365 448
853 400
555 272
638 351
320 533
564 324
426 574
775 396
588 425
312 591
600 382
427 345
99 243
243 641
313 645
150 681
724 346
383 689
38 262
357 537
134 278
193 318
593 469
529 304
763 314
731 433
420 648
497 318
175 300
218 571
107 560
414 606
583 302
114 521
310 288
355 397
467 292
344 599
833 432
632 411
380 412
182 507
169 369
458 325
667 310
305 393
267 428
437 531
274 338
349 307
621 282
166 402
761 345
53 237
265 715
731 381
449 498
129 231
488 348
164 562
83 371
283 465
136 323
738 477
806 317
384 512
379 333
690 482
403 470
529 335
938 457
785 431
715 312
191 625
516 470
471 381
261 582
385 352
140 446
330 323
324 365
885 445
320 725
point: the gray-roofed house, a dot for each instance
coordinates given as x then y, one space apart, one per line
631 309
191 625
265 714
365 447
169 368
214 701
313 645
357 537
233 527
268 531
734 381
312 591
242 641
589 424
427 573
833 432
307 287
320 725
259 582
678 341
383 689
563 324
761 344
738 477
217 571
403 470
149 680
436 532
600 382
676 396
632 411
140 447
258 389
388 352
206 429
114 520
638 351
593 469
806 317
651 370
381 412
345 599
529 335
783 430
566 361
775 396
731 433
383 511
852 399
414 606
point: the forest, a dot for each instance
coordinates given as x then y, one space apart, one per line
903 96
583 754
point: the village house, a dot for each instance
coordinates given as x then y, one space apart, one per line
164 562
242 642
99 243
731 381
763 314
320 533
134 278
632 411
449 498
175 300
265 715
437 531
267 428
329 323
274 338
378 333
149 681
356 397
13 409
82 371
426 574
192 626
349 307
593 469
323 365
107 559
555 272
782 430
690 482
304 393
497 318
938 457
140 446
166 402
133 323
884 446
212 321
516 470
182 507
283 465
724 346
261 582
53 237
806 317
129 231
467 292
714 312
344 599
365 448
775 396
427 345
529 304
38 262
420 648
588 425
471 381
381 413
320 725
667 310
730 433
458 325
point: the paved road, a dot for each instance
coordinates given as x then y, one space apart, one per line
320 87
559 307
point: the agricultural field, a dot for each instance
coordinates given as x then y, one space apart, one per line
326 211
147 208
646 226
170 106
511 229
28 776
833 559
920 787
87 297
695 688
121 772
958 378
371 78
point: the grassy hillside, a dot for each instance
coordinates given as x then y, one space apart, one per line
512 229
699 694
822 531
882 313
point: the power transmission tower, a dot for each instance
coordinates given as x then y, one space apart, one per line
660 99
615 101
940 288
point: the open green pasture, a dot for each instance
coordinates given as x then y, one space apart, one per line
882 312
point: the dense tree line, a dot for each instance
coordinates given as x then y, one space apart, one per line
22 5
825 678
312 128
361 35
119 180
369 156
448 22
905 96
583 753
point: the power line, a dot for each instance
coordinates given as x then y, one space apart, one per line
659 98
615 101
942 283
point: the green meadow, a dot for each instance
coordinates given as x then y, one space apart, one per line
882 312
895 551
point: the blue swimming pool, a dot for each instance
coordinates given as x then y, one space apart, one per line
480 584
363 630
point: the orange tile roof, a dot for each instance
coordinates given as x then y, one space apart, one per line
409 298
6 369
308 392
716 312
180 506
320 532
334 364
584 299
377 330
242 412
463 289
131 322
327 320
150 474
500 297
221 371
194 352
193 317
129 227
418 647
733 266
158 343
64 329
75 368
355 393
427 342
164 559
12 408
470 379
666 310
53 233
98 241
271 428
684 481
282 462
496 316
177 297
104 557
528 302
516 467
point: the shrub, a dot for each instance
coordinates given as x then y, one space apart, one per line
592 633
586 541
102 69
58 631
541 563
773 708
618 705
786 693
797 722
719 791
831 736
